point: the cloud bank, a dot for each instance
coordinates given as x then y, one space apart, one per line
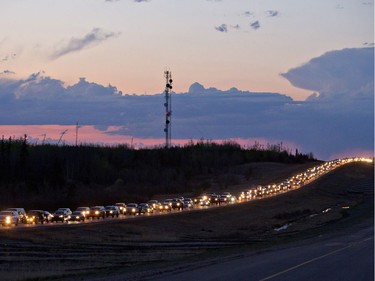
334 122
337 74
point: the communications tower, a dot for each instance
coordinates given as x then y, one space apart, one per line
168 107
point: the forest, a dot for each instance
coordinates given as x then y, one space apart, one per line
50 176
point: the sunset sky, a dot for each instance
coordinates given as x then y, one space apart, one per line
223 44
297 72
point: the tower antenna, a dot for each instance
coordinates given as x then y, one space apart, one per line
168 108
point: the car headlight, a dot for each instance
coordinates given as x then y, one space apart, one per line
8 220
96 212
61 216
77 217
133 210
178 204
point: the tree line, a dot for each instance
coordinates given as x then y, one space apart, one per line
49 176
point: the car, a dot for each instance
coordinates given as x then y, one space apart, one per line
144 208
7 218
112 211
169 201
165 207
204 200
188 203
62 215
84 210
21 214
223 199
77 216
48 216
122 207
155 204
131 209
36 216
214 199
177 204
97 212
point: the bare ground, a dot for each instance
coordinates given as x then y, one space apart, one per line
101 250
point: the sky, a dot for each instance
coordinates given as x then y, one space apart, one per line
296 72
223 44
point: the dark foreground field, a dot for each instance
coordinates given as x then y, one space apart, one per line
144 247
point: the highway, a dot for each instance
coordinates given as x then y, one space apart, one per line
348 256
254 193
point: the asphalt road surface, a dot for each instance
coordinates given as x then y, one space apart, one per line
348 257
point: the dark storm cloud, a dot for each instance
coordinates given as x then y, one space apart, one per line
222 28
94 37
328 123
255 25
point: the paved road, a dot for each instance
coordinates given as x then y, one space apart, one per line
347 257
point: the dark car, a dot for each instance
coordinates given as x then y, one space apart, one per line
21 214
77 216
144 208
97 212
121 207
62 215
112 211
177 204
214 199
36 216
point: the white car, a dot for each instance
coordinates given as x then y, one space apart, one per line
9 218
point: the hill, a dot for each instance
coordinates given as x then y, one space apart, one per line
341 199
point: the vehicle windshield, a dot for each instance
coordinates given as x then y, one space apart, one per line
132 205
6 213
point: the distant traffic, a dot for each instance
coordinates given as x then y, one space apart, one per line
120 210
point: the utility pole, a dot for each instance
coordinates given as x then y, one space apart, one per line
168 108
62 134
77 133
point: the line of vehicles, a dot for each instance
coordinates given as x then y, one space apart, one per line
14 216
